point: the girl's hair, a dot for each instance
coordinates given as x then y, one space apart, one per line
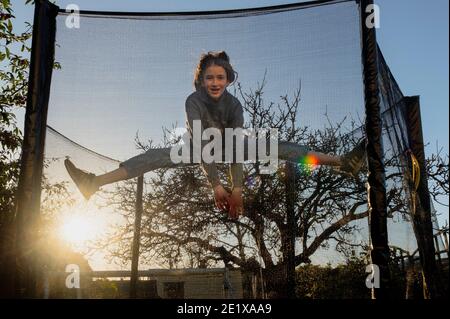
219 58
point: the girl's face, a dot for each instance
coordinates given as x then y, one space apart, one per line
215 81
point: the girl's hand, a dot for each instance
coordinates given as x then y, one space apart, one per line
236 204
221 197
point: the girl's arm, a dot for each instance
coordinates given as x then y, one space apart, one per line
236 169
221 196
236 205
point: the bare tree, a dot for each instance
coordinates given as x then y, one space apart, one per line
437 169
182 228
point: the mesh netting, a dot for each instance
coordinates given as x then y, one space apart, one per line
124 78
397 146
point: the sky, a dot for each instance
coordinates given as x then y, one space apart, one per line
413 36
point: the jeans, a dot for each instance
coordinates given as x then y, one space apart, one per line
160 157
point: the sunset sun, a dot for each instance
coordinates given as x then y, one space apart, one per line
78 229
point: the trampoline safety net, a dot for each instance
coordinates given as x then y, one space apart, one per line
120 91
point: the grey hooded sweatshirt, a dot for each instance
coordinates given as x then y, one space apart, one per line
227 112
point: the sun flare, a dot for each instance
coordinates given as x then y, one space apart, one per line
77 229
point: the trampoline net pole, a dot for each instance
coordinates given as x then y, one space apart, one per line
31 166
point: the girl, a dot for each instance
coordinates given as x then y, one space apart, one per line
214 107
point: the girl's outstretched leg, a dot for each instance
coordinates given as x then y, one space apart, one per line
89 183
114 176
349 163
323 159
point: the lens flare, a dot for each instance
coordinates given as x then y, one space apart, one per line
308 163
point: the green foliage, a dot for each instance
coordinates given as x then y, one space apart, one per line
14 65
103 289
345 281
15 51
